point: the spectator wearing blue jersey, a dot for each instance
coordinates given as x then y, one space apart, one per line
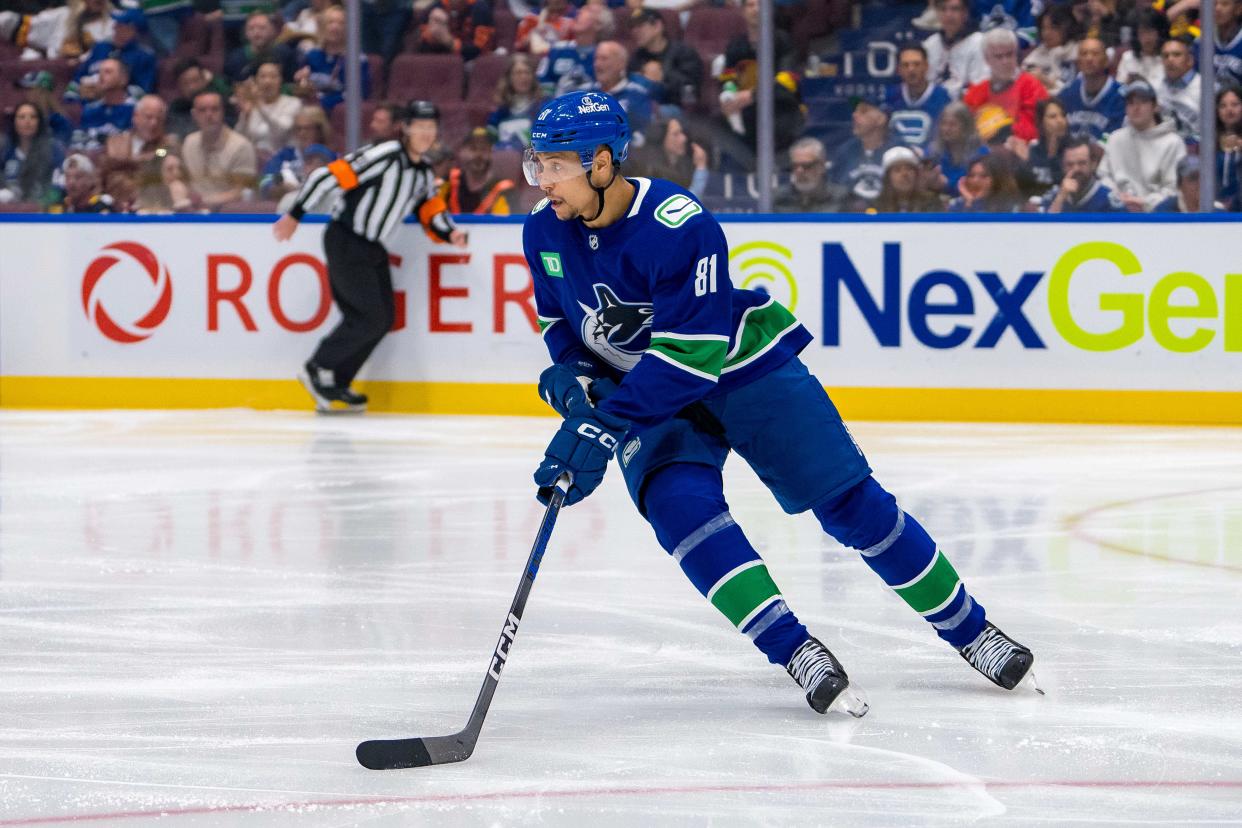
1093 102
38 88
1228 57
1041 158
915 103
322 75
1016 15
286 171
111 113
610 76
956 145
858 164
125 47
517 102
1080 191
1229 147
31 159
573 63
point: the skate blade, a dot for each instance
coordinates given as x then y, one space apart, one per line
1029 681
851 700
338 407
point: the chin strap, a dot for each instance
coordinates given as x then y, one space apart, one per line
599 192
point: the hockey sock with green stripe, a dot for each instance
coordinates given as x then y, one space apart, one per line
686 507
901 552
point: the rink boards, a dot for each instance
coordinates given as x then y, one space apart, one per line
1016 319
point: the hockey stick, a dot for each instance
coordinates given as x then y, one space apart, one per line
391 754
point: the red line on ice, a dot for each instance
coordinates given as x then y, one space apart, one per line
436 799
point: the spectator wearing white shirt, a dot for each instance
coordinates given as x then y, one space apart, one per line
1140 159
265 116
1143 58
955 53
1055 60
1178 92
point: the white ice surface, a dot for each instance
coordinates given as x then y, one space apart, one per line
202 613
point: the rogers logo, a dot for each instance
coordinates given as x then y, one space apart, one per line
144 327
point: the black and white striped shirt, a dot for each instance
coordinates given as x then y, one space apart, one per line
380 186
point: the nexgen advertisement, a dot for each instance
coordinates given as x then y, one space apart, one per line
1099 321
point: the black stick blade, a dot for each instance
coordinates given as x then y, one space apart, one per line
391 754
394 754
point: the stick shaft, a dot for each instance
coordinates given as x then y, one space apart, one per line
390 754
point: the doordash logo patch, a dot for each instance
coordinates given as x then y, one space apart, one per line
131 253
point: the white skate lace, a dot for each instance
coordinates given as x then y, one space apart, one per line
811 664
989 652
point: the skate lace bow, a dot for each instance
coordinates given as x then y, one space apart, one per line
989 652
810 665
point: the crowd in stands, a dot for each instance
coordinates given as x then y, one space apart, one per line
158 106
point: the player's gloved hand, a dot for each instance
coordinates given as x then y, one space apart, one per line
563 387
601 389
585 443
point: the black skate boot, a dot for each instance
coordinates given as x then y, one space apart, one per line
1004 661
818 672
320 383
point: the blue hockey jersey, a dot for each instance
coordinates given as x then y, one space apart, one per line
914 122
1228 61
1102 113
648 301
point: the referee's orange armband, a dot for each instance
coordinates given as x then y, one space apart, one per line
344 174
429 209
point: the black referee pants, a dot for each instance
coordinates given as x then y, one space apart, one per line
361 284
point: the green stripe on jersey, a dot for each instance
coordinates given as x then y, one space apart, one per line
546 322
758 331
932 589
703 357
740 592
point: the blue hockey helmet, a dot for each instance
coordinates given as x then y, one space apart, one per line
581 122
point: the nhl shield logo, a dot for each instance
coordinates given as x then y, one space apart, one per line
593 240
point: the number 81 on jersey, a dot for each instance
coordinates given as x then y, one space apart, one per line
705 276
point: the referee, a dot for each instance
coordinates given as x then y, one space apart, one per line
379 184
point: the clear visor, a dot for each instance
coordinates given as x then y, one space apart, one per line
542 169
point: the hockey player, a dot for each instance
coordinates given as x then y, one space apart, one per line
636 307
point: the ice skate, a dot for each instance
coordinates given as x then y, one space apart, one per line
320 384
1004 661
827 687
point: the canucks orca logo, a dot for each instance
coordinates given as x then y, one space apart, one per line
612 324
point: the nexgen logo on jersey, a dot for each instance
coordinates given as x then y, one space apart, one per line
146 261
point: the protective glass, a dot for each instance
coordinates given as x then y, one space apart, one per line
550 170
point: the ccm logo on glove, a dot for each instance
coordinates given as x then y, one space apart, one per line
594 432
